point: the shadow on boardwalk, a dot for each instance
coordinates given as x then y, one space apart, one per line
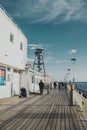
42 112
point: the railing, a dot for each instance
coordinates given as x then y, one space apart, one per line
48 86
77 97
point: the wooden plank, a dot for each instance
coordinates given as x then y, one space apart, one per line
58 122
29 120
42 123
49 112
80 118
67 122
51 117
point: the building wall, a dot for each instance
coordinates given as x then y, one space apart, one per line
24 77
13 55
10 86
10 52
35 78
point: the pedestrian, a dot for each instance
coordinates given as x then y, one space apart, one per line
59 86
41 86
55 85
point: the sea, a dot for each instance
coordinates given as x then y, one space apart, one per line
82 86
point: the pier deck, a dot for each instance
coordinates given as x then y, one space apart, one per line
42 112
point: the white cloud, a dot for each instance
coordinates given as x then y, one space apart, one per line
73 51
34 46
48 52
42 46
58 61
48 58
51 10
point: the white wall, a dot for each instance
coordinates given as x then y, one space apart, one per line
24 77
37 76
77 98
15 56
15 83
10 54
12 84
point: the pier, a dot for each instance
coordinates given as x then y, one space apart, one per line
41 112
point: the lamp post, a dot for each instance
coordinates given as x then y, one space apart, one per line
68 75
73 61
72 86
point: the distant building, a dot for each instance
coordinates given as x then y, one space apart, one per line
34 79
13 55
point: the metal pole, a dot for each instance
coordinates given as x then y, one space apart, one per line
68 75
72 85
73 60
71 95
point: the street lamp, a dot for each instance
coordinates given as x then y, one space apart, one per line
68 74
73 61
66 78
68 70
72 86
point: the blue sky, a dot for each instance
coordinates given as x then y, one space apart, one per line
58 26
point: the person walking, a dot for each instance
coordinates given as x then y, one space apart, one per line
59 86
41 86
55 85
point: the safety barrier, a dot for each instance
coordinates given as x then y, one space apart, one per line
77 97
80 99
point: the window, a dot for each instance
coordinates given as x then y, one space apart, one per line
15 71
11 37
2 75
8 69
21 46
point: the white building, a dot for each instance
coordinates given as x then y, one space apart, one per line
13 55
34 79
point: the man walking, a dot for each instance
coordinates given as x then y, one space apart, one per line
41 86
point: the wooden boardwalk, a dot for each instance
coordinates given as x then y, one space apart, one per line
42 112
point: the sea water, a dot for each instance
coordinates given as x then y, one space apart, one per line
82 86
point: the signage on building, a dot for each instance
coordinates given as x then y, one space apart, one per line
27 66
2 75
